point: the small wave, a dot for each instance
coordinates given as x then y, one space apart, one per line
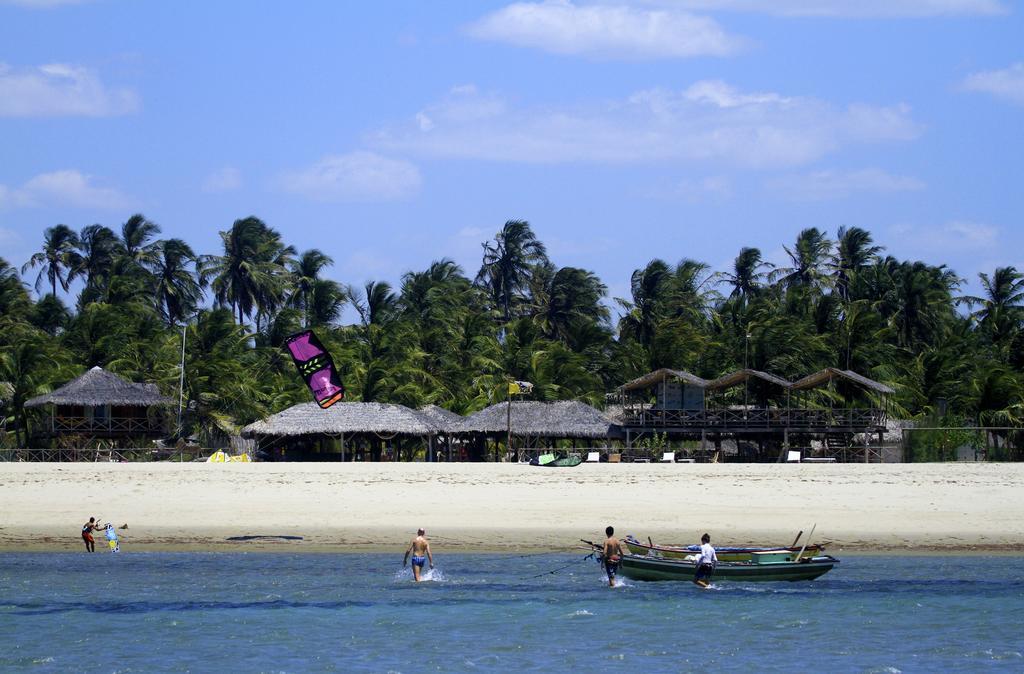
581 612
434 575
42 661
427 576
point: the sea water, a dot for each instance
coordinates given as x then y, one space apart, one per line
277 612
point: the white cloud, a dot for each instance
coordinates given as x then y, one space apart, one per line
58 89
605 31
831 184
226 179
8 237
708 122
1007 84
41 4
848 8
694 190
356 176
65 187
956 236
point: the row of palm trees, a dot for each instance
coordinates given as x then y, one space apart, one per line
446 337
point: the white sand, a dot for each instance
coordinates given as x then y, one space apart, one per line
366 506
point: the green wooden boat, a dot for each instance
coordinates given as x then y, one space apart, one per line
764 567
725 553
553 461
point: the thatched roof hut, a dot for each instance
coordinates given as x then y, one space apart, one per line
661 376
823 377
345 417
742 376
98 387
560 419
444 421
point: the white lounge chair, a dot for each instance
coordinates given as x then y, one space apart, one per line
668 457
793 456
593 457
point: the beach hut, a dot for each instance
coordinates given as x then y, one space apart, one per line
345 430
102 405
537 425
448 426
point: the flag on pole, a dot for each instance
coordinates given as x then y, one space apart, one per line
519 387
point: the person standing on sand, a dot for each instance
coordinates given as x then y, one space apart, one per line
611 553
420 550
87 529
705 562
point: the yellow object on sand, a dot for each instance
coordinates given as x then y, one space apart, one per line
220 456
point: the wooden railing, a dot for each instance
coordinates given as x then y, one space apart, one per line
71 455
719 419
112 425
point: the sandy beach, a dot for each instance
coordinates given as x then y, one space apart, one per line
502 507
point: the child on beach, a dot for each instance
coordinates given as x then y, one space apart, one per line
112 540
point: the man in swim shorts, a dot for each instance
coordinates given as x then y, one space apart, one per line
420 551
87 529
612 555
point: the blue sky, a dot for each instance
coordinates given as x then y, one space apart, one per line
392 134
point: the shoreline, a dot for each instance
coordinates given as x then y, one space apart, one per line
860 509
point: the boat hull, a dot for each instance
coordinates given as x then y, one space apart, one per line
637 567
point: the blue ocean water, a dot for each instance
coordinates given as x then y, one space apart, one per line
131 612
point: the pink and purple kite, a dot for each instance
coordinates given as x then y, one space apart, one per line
316 367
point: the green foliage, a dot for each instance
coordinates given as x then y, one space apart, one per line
452 339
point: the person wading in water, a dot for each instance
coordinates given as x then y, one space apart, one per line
420 550
706 562
612 555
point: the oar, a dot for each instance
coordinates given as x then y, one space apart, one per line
805 543
797 538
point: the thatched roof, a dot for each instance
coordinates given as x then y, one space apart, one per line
658 376
560 419
99 387
823 377
309 419
740 376
445 421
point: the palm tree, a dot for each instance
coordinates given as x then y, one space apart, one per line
379 304
571 297
59 260
748 275
177 290
100 248
14 300
136 233
250 276
306 280
809 257
1002 307
854 251
919 304
508 264
692 294
650 288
